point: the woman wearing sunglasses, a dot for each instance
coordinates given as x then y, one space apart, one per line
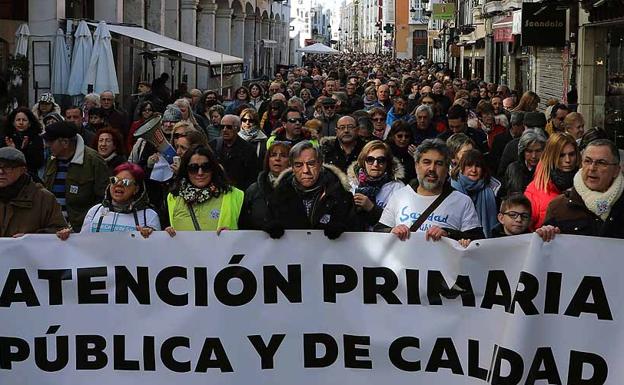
399 139
373 177
125 206
202 199
250 131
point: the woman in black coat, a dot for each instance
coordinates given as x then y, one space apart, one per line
255 207
23 132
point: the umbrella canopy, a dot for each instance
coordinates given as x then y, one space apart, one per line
319 48
21 40
101 72
60 64
83 46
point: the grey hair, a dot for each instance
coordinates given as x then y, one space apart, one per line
300 147
432 144
606 143
296 99
93 97
528 137
426 108
236 118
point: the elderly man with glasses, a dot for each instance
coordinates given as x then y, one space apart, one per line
237 157
310 195
344 149
594 205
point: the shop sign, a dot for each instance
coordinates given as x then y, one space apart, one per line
443 11
543 25
503 35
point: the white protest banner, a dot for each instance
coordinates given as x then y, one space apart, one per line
241 309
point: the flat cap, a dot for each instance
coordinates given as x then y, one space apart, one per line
12 155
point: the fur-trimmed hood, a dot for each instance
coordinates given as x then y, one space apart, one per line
329 171
397 173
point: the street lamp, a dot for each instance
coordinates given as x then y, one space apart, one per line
339 37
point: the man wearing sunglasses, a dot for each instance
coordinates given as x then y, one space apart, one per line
594 205
344 149
237 157
75 173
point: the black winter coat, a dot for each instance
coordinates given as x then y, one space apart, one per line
517 177
33 151
334 154
239 161
332 207
255 209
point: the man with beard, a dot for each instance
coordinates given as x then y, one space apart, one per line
328 117
455 217
345 148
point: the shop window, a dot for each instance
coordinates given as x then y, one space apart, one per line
79 9
14 10
614 103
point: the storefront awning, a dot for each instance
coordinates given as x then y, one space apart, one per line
213 58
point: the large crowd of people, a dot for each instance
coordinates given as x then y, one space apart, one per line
345 143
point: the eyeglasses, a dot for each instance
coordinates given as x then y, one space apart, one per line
329 106
310 164
121 182
514 215
7 168
370 160
294 120
193 168
402 136
227 126
346 127
600 163
378 119
178 135
248 120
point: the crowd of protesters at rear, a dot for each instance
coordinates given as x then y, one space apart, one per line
355 143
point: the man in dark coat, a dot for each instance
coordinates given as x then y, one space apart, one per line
310 195
594 206
237 157
344 149
25 207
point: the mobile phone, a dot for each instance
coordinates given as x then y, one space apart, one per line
176 161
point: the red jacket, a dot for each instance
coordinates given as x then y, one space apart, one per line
540 200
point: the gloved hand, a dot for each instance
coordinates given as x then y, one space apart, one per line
274 229
334 230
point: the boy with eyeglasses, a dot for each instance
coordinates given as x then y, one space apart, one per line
514 216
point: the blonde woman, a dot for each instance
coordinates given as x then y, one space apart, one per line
574 124
187 113
553 175
528 102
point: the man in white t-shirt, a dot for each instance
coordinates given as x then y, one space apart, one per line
455 217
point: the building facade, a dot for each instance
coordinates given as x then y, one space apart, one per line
254 30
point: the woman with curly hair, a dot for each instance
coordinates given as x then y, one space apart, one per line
241 97
109 144
22 132
202 198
